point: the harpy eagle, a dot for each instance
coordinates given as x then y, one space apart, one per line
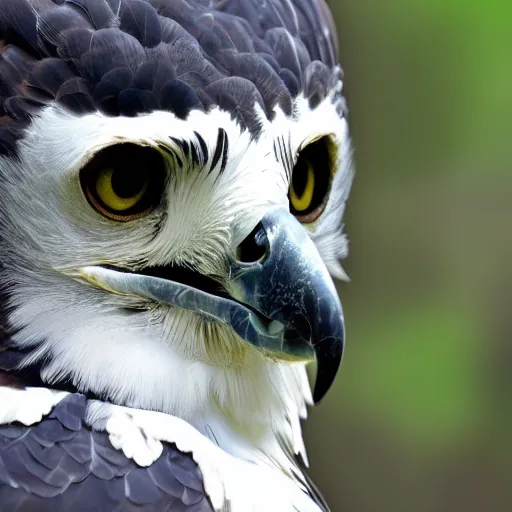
173 175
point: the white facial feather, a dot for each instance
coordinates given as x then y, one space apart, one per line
160 359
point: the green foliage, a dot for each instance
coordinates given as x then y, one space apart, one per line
416 374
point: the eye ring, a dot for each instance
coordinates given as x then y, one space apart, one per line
311 179
124 182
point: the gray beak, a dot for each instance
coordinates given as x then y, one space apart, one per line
291 285
282 300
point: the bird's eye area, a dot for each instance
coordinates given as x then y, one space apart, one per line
311 180
125 181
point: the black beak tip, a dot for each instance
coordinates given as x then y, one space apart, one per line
328 356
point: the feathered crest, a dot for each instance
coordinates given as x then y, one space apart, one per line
125 57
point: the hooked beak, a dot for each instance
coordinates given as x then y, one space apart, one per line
284 304
292 286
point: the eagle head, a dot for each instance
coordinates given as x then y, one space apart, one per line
172 179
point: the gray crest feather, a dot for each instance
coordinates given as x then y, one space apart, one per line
89 55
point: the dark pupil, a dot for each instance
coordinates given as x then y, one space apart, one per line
127 183
300 176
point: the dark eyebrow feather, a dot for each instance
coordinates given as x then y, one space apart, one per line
203 148
221 151
283 156
194 152
225 153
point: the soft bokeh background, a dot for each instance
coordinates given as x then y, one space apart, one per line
420 418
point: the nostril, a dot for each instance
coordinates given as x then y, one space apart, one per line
255 246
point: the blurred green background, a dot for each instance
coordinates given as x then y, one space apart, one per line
420 418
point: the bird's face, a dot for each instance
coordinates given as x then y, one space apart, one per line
131 242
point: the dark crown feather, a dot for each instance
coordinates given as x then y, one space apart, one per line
126 57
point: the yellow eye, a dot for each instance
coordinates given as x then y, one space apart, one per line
115 197
302 200
124 182
311 180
